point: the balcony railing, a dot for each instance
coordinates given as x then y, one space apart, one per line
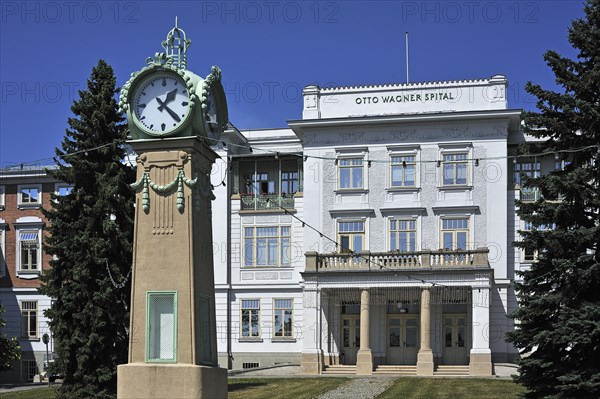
530 194
366 261
266 201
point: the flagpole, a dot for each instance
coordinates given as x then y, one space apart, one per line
406 57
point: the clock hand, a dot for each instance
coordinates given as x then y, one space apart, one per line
170 97
163 105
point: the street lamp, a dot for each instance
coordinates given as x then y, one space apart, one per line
46 339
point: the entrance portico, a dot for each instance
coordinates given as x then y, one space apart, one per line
419 323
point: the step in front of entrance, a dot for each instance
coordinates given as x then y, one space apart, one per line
396 370
451 371
339 369
440 371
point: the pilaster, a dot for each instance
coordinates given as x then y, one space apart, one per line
480 363
312 356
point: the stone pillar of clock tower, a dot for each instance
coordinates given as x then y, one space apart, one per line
172 351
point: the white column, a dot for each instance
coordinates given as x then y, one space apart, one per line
425 357
481 355
364 358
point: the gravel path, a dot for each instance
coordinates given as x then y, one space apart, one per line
359 388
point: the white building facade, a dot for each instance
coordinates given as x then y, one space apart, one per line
373 235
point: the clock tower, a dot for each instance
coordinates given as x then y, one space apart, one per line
173 117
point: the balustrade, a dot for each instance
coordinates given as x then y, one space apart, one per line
425 259
266 201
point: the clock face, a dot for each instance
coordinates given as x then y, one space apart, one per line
161 103
210 117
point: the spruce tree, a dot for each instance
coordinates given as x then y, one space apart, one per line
558 319
91 232
10 351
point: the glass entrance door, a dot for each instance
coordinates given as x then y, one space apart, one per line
454 349
402 339
350 339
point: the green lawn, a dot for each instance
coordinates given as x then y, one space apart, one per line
38 393
442 388
281 388
239 388
305 388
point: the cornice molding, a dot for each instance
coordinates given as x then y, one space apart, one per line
496 79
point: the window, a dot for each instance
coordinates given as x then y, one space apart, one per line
267 246
454 169
351 236
28 247
351 173
455 233
531 254
29 251
403 235
30 195
2 191
289 177
530 226
161 344
29 319
250 318
262 184
528 168
561 164
63 189
283 320
403 171
29 369
289 182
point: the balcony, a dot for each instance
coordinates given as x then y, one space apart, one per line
418 260
267 183
266 201
530 194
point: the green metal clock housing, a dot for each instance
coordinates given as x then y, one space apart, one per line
214 106
162 101
165 99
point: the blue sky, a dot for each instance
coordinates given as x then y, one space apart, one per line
267 50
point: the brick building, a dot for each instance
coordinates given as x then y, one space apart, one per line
23 192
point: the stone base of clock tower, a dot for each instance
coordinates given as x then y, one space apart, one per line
141 380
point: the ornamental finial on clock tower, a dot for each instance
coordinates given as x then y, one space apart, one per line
176 46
